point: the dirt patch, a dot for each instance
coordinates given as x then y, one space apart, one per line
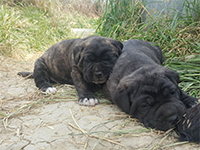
32 121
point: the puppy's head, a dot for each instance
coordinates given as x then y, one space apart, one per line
188 128
95 56
153 96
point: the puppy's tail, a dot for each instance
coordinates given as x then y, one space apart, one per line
27 75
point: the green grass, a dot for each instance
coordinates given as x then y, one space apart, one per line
119 17
192 10
124 19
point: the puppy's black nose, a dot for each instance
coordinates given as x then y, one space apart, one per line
98 74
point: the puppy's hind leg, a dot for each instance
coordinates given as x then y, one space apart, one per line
42 77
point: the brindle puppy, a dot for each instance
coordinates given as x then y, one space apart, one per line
87 63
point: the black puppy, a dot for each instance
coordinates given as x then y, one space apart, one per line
188 128
87 63
146 90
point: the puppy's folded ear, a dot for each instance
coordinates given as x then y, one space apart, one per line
77 54
121 98
121 95
126 89
189 101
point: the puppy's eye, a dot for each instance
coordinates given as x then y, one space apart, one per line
144 105
172 93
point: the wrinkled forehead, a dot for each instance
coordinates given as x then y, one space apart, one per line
99 48
98 44
157 85
95 48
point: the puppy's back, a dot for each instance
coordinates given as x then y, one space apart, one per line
150 49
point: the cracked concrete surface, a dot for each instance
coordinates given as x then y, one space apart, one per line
60 124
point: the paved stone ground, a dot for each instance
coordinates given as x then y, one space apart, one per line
30 121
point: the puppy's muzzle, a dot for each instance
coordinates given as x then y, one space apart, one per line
99 78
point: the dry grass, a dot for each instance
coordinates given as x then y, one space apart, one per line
36 98
84 7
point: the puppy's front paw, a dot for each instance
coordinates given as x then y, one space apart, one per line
49 90
88 101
